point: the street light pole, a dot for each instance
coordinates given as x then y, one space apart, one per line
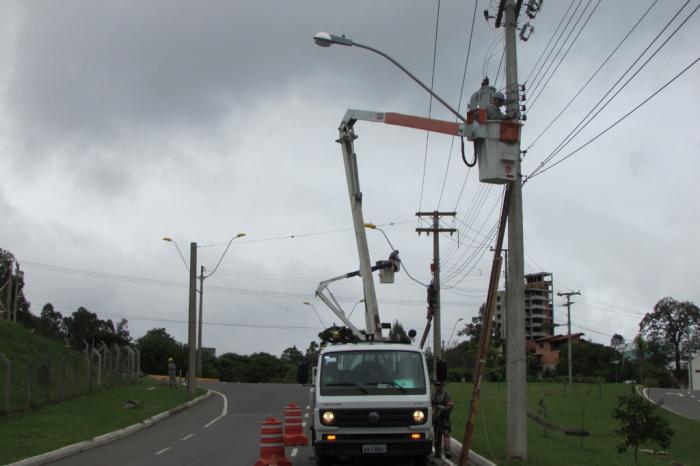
199 330
192 328
198 345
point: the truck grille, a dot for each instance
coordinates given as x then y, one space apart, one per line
366 418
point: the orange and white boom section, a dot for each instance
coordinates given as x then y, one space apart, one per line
494 146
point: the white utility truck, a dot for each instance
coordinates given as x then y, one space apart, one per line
370 397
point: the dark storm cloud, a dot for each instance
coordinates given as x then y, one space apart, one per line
95 71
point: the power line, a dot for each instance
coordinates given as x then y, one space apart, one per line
538 84
556 68
461 94
430 106
618 121
561 21
554 46
581 125
220 289
595 73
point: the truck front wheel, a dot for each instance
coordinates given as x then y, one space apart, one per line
323 460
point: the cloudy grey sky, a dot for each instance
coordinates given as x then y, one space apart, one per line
123 122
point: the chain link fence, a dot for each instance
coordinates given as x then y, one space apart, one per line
31 381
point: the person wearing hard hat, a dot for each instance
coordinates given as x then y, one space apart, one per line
172 369
442 426
493 110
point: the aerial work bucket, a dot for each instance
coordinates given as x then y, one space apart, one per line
495 140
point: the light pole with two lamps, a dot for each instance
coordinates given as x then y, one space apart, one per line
193 291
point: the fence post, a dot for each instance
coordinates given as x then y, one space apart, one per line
29 381
117 360
77 374
48 379
138 361
99 367
89 371
63 378
8 369
132 362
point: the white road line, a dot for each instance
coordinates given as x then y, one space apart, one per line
224 410
308 406
163 450
294 452
306 415
303 424
188 436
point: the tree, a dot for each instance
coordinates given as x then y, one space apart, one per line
312 352
292 356
588 359
50 322
156 347
85 326
472 330
397 333
15 282
639 424
617 340
670 325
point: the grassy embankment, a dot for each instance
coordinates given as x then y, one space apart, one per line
81 417
565 409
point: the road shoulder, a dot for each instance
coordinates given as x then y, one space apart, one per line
94 442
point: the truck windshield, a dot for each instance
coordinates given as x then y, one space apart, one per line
373 372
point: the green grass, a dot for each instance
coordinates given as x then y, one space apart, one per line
56 372
57 425
564 409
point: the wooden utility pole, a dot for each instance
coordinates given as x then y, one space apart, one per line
436 230
485 335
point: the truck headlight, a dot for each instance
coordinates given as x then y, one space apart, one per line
418 416
327 417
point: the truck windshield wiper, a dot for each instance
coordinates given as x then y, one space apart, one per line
347 384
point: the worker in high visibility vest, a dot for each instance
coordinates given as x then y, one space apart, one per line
442 426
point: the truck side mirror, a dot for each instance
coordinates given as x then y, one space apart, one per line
303 373
441 371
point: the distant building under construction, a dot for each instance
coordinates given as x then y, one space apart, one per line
539 307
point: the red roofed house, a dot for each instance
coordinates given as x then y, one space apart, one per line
547 348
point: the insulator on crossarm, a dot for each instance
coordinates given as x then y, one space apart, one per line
526 31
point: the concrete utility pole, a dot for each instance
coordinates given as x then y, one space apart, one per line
516 367
568 315
436 230
192 324
199 324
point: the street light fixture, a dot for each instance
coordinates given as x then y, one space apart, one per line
317 314
325 39
202 277
453 331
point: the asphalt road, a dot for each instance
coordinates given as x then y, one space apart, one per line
682 402
222 430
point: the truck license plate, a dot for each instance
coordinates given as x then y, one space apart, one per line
373 448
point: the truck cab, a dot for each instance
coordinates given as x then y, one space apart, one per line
371 400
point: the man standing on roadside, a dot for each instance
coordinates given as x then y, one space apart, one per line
442 408
172 369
